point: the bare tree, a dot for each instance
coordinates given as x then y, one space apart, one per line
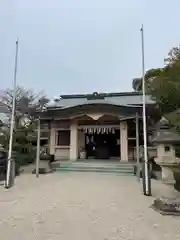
27 102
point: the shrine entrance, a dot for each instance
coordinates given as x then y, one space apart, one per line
103 145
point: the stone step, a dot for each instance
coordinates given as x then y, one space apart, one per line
91 164
98 167
121 168
95 167
103 170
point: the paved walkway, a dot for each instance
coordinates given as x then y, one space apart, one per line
81 206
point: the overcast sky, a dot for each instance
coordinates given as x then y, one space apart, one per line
80 46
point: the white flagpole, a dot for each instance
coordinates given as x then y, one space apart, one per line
10 163
146 172
38 147
137 148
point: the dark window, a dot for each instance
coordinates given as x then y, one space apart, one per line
44 134
63 138
167 148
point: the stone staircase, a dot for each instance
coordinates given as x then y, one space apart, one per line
95 166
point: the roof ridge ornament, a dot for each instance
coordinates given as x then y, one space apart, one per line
95 96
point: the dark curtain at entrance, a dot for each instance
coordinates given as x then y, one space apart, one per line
103 146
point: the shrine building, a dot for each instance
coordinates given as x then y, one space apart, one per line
97 126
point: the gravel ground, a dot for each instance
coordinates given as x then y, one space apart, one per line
82 206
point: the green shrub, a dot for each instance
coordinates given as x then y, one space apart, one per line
23 159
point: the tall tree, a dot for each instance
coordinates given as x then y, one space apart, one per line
173 56
150 75
137 84
164 86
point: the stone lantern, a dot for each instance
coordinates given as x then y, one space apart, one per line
166 141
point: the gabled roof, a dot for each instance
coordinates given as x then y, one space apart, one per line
118 99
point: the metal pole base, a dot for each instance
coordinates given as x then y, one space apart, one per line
10 181
6 186
146 189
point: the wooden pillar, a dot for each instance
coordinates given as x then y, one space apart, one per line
52 141
73 142
124 141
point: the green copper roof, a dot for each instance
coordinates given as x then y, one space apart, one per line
119 99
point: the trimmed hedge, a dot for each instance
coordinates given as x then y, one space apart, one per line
23 159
